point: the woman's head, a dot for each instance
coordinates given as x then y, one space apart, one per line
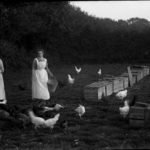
40 52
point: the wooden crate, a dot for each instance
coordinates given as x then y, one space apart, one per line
117 83
94 91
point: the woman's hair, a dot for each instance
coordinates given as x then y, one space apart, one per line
40 49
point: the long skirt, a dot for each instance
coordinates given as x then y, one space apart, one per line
39 85
2 89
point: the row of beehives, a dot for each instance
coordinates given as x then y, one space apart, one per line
110 85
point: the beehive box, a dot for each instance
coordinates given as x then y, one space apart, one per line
137 116
138 75
108 87
125 74
125 81
146 70
94 91
139 71
117 83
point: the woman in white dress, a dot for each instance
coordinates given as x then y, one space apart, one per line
2 88
40 73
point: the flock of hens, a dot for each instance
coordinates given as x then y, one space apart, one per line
39 122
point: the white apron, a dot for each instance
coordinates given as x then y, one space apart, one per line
39 81
2 88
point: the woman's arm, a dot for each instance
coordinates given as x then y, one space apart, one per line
1 66
49 71
34 66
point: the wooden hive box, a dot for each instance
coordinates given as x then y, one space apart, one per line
108 87
125 81
137 116
147 112
125 74
137 75
139 71
117 83
94 91
146 70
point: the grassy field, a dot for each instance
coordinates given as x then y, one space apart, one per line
101 127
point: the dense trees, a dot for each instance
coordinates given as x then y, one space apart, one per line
69 35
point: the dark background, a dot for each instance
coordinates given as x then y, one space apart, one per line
68 35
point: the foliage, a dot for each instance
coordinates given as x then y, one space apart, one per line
69 35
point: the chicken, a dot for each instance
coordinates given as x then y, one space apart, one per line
3 102
50 123
122 94
78 70
125 109
80 110
99 72
70 79
48 109
56 107
37 121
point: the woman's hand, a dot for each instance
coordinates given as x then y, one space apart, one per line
49 72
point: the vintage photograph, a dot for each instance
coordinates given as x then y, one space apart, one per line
74 75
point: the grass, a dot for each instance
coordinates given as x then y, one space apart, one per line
101 126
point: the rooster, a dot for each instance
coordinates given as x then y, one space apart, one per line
37 121
78 70
80 110
125 109
99 72
56 107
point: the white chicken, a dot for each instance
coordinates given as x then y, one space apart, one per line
80 110
125 109
3 102
70 79
122 94
48 109
37 121
50 123
99 72
78 70
57 107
